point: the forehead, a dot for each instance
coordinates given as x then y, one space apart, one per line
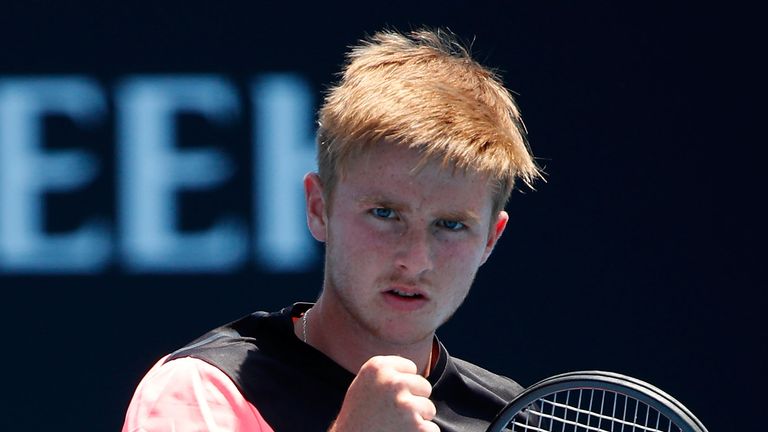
392 172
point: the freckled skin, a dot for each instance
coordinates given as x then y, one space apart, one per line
390 227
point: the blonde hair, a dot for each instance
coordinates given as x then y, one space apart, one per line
423 90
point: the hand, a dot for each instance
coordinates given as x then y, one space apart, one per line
387 395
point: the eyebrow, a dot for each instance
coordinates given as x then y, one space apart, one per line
467 216
369 199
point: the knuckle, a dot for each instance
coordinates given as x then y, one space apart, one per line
374 363
392 383
404 400
374 368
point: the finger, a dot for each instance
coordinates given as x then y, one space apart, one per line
417 385
400 364
424 407
428 426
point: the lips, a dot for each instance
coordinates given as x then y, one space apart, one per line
405 299
405 294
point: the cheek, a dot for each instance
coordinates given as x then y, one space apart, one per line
460 259
359 242
468 249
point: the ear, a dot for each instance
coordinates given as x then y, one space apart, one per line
316 211
493 236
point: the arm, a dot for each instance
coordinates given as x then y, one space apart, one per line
188 394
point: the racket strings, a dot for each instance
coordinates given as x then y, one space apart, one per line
590 410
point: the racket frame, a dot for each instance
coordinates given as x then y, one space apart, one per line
601 380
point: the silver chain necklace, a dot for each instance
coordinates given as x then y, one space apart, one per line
304 319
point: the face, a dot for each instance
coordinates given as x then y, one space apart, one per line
402 245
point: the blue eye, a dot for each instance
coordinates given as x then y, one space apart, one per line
451 225
384 213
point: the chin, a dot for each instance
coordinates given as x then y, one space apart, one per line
406 336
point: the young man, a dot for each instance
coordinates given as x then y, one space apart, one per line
419 147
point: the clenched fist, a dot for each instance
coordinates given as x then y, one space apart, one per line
388 394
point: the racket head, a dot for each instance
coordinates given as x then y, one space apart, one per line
576 402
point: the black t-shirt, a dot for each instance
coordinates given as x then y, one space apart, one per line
297 388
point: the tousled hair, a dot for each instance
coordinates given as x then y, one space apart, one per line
423 90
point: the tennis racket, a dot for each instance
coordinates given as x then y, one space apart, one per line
595 401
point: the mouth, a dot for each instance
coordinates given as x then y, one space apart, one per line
405 295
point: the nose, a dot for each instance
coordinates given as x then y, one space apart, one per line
414 253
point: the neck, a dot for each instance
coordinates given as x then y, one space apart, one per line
333 332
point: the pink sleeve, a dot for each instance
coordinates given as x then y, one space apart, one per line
188 394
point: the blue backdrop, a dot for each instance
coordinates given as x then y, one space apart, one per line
151 156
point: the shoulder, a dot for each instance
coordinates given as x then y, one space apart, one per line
190 394
243 346
476 376
468 396
232 342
